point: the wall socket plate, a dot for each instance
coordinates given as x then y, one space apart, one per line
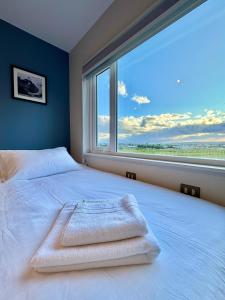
131 175
190 190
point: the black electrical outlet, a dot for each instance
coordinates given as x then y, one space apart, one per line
131 175
190 190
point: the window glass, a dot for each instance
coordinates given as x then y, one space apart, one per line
171 89
103 109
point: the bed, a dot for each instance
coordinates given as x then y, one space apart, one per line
190 232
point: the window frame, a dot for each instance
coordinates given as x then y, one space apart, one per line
112 149
90 84
94 108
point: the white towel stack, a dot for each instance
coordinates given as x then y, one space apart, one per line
93 234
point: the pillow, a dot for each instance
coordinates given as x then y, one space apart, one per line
29 164
1 168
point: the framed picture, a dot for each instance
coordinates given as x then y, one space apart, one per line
29 86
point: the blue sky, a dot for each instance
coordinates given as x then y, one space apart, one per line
172 87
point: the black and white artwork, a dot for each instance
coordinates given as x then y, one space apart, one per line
29 86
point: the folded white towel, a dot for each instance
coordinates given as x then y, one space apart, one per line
104 221
126 261
52 257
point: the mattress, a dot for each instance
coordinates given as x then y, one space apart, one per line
190 233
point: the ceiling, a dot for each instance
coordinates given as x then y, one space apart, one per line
59 22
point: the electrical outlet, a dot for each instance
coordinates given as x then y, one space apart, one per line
131 175
190 190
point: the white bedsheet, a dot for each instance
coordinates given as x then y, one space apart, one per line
190 232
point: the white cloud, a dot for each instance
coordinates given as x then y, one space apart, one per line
103 119
103 136
141 99
122 89
191 135
177 126
103 127
150 123
173 124
209 137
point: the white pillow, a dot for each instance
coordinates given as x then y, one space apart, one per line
1 168
29 164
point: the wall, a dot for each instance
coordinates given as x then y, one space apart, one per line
119 15
211 181
26 125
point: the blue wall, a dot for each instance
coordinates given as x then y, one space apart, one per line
23 124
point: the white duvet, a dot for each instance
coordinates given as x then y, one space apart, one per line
190 233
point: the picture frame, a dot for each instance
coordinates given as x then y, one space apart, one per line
28 85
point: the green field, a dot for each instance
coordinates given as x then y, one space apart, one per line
209 150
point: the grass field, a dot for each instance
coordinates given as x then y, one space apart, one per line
216 151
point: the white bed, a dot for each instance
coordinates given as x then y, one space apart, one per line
191 234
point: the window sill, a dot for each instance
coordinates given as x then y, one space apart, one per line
153 162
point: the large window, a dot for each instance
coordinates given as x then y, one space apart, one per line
170 98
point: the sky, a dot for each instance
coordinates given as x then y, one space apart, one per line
171 88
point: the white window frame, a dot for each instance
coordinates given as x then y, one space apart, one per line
90 85
112 149
92 82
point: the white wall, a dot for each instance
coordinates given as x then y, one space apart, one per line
211 181
119 16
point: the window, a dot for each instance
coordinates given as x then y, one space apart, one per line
103 109
170 98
